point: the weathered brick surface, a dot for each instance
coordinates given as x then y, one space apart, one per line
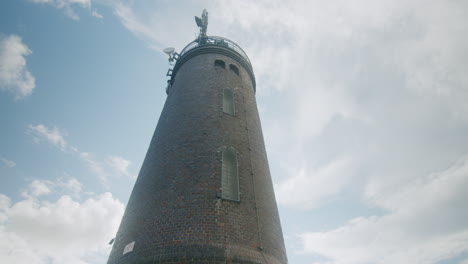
174 214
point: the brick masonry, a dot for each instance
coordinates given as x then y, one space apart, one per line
174 214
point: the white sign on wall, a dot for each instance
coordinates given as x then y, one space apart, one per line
128 248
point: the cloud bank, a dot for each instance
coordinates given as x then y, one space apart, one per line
38 231
426 223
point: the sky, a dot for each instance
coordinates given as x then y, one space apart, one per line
363 107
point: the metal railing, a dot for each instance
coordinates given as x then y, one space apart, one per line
215 41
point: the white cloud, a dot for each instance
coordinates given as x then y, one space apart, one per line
308 187
73 186
133 23
14 76
68 6
95 13
38 188
52 135
119 165
8 163
94 166
4 204
112 166
426 223
76 232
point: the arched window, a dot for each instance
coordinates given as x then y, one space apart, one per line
220 63
228 102
234 69
230 176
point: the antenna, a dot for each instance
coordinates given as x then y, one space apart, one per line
169 50
171 53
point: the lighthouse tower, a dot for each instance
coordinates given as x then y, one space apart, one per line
204 193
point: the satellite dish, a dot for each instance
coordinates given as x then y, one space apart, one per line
169 50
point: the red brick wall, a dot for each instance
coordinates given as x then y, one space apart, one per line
174 214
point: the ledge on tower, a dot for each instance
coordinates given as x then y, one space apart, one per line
214 44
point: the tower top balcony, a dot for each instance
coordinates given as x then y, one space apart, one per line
214 44
216 41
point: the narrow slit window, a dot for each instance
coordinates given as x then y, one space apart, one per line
234 69
230 176
228 102
220 63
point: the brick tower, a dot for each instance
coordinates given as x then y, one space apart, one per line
204 193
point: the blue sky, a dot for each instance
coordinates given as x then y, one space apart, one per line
363 107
